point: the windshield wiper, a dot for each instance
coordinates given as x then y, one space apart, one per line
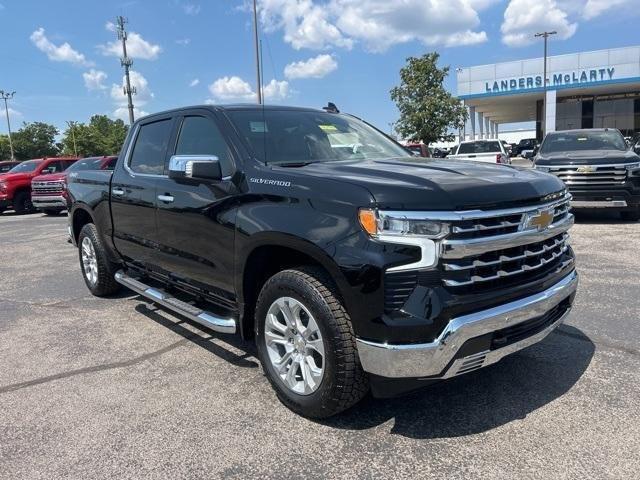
291 164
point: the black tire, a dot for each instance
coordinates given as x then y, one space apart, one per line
631 215
22 203
344 383
52 211
105 283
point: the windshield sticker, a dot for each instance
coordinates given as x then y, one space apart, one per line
328 128
258 127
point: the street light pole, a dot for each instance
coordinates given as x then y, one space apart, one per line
546 36
257 48
8 96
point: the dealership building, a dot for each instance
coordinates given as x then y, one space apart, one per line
584 90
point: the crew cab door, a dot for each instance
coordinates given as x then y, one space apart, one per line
196 218
133 191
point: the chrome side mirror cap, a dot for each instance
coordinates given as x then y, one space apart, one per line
205 167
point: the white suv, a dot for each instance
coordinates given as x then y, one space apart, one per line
489 151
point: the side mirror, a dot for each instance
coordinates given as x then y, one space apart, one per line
204 167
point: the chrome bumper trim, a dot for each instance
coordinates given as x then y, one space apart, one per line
48 201
431 359
598 204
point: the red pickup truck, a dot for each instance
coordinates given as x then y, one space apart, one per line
49 191
15 185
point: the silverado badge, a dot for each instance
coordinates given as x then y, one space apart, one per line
539 220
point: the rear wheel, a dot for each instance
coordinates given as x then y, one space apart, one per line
631 216
22 203
98 272
306 344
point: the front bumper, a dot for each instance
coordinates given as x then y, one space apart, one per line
467 342
49 201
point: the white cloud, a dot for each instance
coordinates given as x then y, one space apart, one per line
137 47
594 8
57 53
110 26
276 90
194 82
377 24
183 41
316 67
191 8
142 97
523 19
14 115
234 88
94 79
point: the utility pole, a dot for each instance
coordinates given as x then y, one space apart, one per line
8 96
257 47
126 62
546 36
72 127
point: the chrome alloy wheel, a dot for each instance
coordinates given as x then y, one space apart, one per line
294 345
89 261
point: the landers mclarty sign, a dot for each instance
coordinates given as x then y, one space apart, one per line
555 80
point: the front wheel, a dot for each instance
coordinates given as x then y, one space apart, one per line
98 272
306 344
22 203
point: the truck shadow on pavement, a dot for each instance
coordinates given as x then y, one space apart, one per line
483 400
245 359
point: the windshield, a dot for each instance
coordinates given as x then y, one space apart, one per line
585 140
292 136
479 147
86 164
24 167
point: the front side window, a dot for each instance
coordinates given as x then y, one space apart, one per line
292 136
201 136
584 140
150 147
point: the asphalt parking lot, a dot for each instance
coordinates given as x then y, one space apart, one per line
114 388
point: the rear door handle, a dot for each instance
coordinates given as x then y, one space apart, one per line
117 192
165 198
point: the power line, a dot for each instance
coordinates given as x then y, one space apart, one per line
126 62
8 96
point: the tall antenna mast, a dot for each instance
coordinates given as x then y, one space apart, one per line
8 96
126 62
257 47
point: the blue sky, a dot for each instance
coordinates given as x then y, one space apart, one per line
60 58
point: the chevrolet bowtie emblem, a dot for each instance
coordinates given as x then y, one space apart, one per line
539 220
586 169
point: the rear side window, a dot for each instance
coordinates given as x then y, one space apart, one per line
479 147
201 136
150 147
111 164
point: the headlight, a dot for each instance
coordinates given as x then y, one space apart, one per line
633 166
406 228
3 187
379 223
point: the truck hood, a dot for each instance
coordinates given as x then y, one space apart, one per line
52 177
428 184
15 177
587 157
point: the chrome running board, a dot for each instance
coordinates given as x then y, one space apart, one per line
207 319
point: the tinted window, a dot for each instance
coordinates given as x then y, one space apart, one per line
150 147
28 166
479 147
585 140
53 167
86 164
201 136
111 164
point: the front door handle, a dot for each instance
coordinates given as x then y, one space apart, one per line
118 192
165 198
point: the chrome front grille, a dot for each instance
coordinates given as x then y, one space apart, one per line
46 188
577 175
486 251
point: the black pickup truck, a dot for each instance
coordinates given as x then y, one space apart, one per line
354 265
598 167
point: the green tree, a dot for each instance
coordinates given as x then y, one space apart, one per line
428 112
35 140
101 136
5 150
